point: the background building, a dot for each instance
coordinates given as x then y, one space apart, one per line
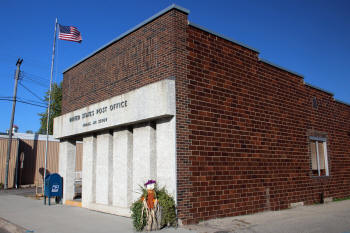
26 164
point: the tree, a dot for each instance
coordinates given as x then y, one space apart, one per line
55 109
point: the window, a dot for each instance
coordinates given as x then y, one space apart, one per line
319 160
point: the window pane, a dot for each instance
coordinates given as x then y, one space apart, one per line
321 155
313 155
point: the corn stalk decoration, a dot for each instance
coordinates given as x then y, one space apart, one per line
154 210
151 207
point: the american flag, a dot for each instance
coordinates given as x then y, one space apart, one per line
69 33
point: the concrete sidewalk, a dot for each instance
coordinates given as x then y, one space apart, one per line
9 227
333 217
32 215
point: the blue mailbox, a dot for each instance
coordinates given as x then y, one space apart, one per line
53 187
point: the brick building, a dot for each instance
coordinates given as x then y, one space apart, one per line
227 132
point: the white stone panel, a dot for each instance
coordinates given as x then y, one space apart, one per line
149 102
122 167
144 163
114 166
110 209
166 154
104 173
89 171
67 168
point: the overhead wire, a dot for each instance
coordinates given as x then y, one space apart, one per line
22 101
26 77
34 79
20 83
27 74
29 77
39 83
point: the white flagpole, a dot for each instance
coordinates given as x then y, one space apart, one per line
49 104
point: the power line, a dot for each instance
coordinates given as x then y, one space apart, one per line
31 92
34 81
25 102
23 99
34 76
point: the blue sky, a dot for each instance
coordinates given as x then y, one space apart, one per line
307 36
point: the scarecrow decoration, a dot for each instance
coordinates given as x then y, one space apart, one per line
151 207
154 210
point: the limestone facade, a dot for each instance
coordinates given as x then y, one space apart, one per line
122 152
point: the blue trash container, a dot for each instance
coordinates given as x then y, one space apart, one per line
53 187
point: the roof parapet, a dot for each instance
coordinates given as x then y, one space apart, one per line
318 88
171 7
222 36
280 67
342 102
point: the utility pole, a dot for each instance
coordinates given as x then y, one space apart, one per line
18 64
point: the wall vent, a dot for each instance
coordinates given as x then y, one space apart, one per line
314 103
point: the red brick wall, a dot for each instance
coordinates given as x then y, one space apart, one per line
183 152
248 125
142 57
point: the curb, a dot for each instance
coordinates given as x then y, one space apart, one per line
6 226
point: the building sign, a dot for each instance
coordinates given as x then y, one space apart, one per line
149 102
97 116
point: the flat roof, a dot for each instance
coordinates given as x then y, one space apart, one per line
169 8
